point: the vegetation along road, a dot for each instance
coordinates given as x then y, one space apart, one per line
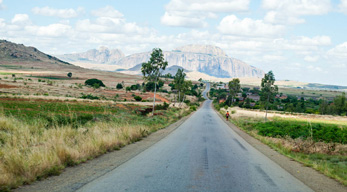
203 154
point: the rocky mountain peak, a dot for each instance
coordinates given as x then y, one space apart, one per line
202 49
102 55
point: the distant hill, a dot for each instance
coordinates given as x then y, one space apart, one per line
11 52
101 56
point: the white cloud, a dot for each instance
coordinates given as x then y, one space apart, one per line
53 30
274 58
289 11
311 67
311 58
107 11
343 6
339 51
1 6
61 13
192 13
315 41
21 19
175 19
231 25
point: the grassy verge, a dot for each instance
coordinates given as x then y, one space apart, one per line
40 138
321 146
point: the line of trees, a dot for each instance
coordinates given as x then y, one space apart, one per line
268 100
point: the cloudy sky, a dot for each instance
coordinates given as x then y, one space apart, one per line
304 40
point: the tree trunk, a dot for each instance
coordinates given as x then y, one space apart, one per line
267 106
155 90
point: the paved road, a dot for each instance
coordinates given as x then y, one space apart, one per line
203 154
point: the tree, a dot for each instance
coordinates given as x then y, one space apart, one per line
151 70
69 74
340 103
234 88
185 87
179 81
119 86
92 82
268 90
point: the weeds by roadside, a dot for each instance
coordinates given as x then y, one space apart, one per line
34 145
311 144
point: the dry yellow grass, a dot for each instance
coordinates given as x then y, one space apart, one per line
28 152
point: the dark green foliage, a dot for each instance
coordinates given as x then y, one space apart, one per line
135 87
295 129
164 106
93 82
138 98
69 74
89 96
119 86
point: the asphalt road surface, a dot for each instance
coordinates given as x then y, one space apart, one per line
203 154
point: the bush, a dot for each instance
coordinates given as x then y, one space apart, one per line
320 132
89 96
193 108
138 98
119 86
94 82
164 106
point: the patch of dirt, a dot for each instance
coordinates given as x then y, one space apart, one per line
4 86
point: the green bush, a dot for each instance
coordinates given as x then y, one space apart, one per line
119 86
164 106
89 96
138 98
320 132
94 82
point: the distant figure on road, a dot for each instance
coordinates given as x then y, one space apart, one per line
227 115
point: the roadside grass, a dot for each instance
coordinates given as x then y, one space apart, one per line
320 146
33 147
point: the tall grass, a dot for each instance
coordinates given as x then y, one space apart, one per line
326 157
30 150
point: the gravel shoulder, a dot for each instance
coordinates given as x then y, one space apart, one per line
310 177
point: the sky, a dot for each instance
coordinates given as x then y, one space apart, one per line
302 40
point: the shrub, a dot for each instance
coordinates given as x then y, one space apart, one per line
138 98
92 82
89 96
119 86
164 106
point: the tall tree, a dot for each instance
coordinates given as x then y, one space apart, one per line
152 69
340 103
234 88
268 90
187 85
179 82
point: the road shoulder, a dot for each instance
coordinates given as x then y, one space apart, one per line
310 177
73 178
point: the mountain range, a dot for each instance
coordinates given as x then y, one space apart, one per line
207 59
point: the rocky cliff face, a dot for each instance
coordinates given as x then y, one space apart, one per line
103 56
207 59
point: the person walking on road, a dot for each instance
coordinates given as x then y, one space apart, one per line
227 115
